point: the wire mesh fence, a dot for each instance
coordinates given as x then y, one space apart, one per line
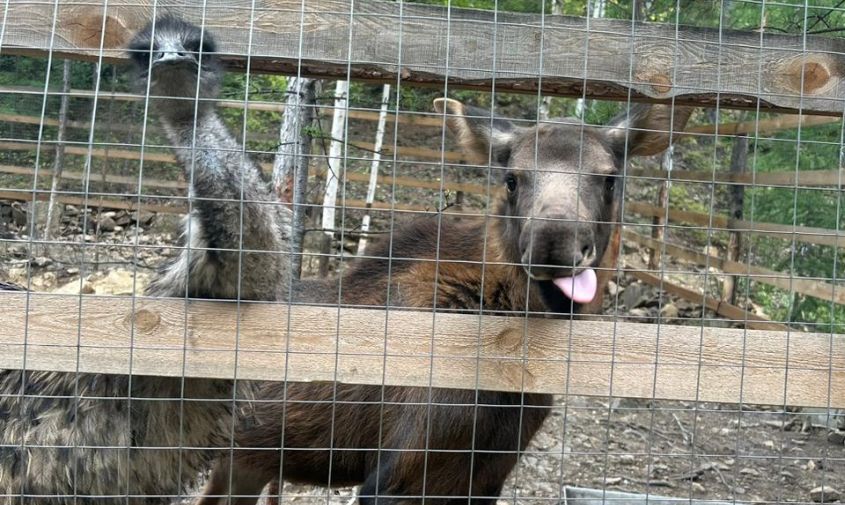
496 251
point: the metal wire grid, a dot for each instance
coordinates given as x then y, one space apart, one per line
603 454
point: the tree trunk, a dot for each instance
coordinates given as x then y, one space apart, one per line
336 165
290 165
657 222
739 160
52 224
371 187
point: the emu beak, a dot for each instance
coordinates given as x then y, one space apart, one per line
172 53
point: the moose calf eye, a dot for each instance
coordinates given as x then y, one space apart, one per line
610 184
510 182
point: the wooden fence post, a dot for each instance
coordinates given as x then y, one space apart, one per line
739 159
662 203
336 168
290 165
371 184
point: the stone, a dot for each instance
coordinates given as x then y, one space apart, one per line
106 223
836 437
669 311
142 217
825 494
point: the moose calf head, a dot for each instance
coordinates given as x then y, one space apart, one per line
561 182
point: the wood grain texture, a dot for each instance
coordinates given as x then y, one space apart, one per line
302 343
806 234
812 287
428 45
784 178
178 207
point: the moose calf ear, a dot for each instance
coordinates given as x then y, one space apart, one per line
483 138
646 129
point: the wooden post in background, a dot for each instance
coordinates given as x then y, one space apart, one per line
52 225
739 159
290 165
372 183
337 165
658 222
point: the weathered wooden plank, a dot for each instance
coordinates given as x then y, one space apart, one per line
412 118
811 287
429 45
806 234
724 309
383 180
93 201
272 341
131 203
785 178
763 126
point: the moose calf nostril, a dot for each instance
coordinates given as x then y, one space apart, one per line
585 251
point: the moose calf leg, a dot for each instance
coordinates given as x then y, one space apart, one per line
246 483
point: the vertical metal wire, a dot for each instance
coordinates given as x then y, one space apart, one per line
301 252
341 179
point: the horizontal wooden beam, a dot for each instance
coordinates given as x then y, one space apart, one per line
379 41
760 127
717 222
179 207
811 287
404 117
785 178
732 312
764 126
272 341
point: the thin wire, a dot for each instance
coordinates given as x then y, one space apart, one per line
389 292
243 167
341 179
32 231
436 281
299 165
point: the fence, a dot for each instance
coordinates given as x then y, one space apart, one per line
762 360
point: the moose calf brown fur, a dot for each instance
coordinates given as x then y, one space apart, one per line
538 253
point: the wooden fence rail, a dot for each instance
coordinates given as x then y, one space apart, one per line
415 118
273 341
724 309
817 288
718 222
342 39
178 206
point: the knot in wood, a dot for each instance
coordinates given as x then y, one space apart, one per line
809 74
144 321
88 30
509 342
660 83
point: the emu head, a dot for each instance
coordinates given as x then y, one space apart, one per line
561 184
178 59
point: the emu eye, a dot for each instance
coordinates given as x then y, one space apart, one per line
193 47
510 182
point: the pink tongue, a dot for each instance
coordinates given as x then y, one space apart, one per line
581 288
